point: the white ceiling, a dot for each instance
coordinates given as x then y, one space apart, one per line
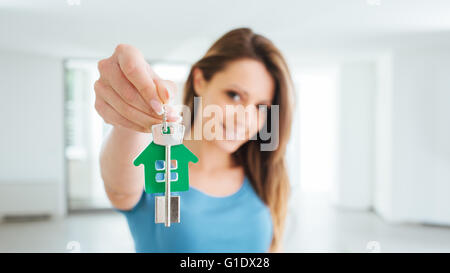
182 30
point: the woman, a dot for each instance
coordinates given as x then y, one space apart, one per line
238 193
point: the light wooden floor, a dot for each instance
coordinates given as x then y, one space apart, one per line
313 226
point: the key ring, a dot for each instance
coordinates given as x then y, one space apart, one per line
164 127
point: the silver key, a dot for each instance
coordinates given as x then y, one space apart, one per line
167 207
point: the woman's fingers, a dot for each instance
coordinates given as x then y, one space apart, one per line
166 90
124 109
137 71
111 74
111 116
132 89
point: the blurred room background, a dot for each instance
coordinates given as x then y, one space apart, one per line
369 157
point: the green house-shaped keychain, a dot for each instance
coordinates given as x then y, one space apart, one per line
153 158
166 166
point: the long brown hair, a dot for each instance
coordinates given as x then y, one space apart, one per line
265 169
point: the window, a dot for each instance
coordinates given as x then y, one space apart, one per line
84 132
173 164
160 165
161 177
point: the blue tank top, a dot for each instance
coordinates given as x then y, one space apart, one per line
240 222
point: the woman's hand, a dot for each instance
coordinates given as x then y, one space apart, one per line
129 93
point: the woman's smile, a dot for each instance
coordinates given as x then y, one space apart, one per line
235 133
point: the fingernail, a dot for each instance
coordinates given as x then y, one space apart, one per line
169 92
157 106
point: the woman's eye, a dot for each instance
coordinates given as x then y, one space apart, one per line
233 95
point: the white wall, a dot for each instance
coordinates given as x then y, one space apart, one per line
382 188
31 139
311 149
418 96
355 107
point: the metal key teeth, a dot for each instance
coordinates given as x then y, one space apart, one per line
167 207
160 216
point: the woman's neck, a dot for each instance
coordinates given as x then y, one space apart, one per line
210 157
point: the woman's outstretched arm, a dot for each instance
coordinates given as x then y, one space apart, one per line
123 181
128 95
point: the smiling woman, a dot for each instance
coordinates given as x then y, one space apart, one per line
239 191
227 91
257 73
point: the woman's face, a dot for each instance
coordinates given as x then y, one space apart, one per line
237 92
